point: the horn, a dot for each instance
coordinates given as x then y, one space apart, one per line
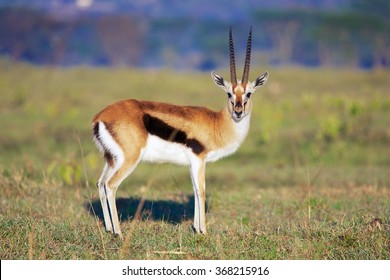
245 76
233 77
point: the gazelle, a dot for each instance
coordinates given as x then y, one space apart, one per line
131 131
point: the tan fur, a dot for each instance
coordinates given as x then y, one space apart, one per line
216 133
124 122
212 129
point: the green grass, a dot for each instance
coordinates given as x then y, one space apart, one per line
310 181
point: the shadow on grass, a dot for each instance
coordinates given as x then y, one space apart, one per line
170 211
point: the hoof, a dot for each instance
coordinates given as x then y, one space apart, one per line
198 231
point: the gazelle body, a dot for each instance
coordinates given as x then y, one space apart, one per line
131 131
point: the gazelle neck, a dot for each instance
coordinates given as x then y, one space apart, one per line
230 135
240 127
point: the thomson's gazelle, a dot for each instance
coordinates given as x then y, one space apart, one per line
131 131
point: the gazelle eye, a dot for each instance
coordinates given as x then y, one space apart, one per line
229 95
248 95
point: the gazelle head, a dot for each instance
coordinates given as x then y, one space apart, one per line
239 91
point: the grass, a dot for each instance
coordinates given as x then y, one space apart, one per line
310 182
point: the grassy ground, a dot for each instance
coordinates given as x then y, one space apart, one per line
310 182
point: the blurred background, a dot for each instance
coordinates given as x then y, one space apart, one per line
193 34
310 180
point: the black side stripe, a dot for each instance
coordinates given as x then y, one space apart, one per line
159 128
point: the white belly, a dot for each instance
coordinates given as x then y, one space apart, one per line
160 151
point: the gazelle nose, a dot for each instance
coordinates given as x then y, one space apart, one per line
238 114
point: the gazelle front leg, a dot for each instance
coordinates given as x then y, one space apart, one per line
197 170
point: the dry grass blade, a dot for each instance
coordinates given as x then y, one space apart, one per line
168 252
83 160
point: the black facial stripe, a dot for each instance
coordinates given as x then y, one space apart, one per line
159 128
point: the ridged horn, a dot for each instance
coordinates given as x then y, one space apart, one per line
245 75
233 77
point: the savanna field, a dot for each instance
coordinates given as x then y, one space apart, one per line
311 181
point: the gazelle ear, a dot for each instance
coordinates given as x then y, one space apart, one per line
219 81
260 80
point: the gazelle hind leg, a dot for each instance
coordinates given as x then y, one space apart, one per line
112 185
111 203
103 197
197 170
121 160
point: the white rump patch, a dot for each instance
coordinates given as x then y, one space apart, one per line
106 143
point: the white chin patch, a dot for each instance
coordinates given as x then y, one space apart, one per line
237 119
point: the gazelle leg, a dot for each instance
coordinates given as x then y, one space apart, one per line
112 185
103 197
110 193
122 154
197 170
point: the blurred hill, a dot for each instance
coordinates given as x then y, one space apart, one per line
192 34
